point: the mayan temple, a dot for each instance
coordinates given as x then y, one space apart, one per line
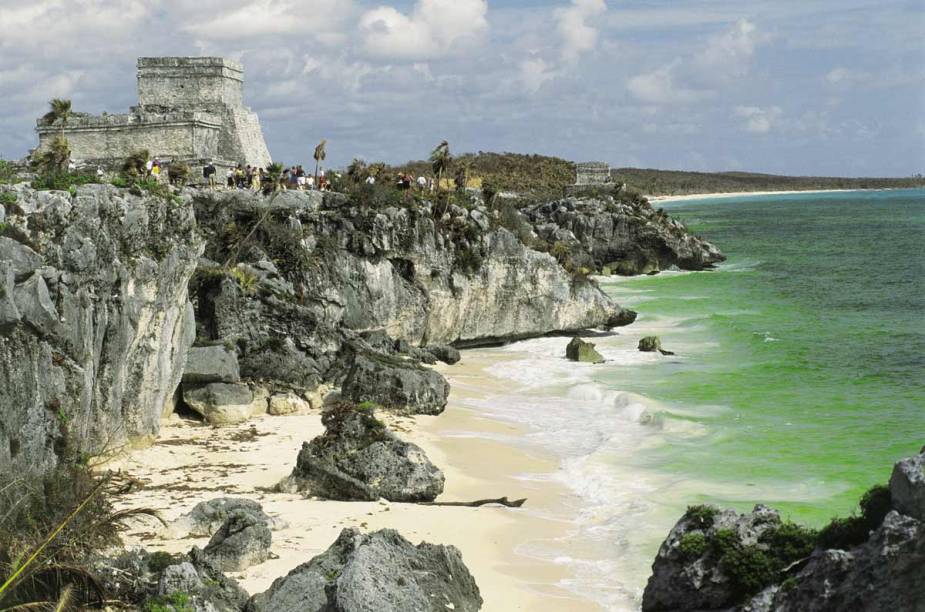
189 109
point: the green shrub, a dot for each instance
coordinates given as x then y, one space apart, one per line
159 561
701 516
844 533
693 545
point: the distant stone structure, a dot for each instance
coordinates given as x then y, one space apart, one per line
190 109
590 177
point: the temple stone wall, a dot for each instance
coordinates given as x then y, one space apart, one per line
190 109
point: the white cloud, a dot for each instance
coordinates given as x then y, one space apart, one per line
243 19
729 55
434 28
534 72
660 87
578 36
846 76
758 120
724 58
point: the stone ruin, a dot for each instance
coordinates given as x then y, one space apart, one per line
590 177
190 109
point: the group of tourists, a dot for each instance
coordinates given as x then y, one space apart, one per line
253 178
406 181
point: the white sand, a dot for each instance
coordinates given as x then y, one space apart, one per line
191 463
739 194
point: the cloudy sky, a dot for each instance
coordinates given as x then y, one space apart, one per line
789 86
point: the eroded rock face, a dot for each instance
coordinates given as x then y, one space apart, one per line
208 364
380 572
357 458
97 332
628 237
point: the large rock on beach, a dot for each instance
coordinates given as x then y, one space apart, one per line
208 364
221 403
357 458
394 384
207 516
376 572
243 540
580 350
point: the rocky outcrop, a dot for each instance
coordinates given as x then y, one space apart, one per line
97 331
625 235
580 350
652 344
689 571
753 562
884 573
243 540
357 458
379 571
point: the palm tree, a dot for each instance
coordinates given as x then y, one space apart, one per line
319 156
440 161
60 108
54 160
357 171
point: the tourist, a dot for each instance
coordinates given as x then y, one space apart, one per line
310 181
229 178
239 176
248 177
156 170
300 177
293 178
257 179
149 166
422 183
370 180
209 174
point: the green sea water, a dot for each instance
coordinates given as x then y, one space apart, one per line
801 359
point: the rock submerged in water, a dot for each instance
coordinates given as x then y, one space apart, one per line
580 350
357 458
381 572
652 344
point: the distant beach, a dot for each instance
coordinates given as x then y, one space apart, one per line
740 194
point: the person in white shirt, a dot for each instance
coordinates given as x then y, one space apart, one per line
422 182
370 180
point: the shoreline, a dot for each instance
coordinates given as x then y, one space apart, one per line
740 194
191 462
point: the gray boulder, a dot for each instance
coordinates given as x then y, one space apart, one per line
357 458
445 353
376 572
9 313
179 578
579 350
395 384
208 364
243 540
206 517
907 486
220 403
650 344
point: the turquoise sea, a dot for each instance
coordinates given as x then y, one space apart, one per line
799 380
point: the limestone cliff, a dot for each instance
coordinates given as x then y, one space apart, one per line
94 316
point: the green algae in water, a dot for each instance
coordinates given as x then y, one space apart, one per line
804 354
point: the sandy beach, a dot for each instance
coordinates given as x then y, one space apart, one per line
192 462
